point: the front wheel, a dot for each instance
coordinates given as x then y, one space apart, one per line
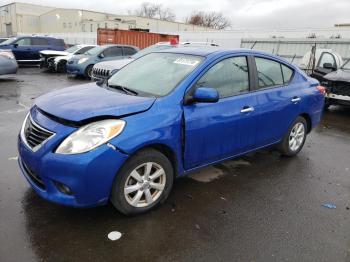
143 182
88 72
294 140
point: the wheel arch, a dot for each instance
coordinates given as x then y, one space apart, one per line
308 121
165 150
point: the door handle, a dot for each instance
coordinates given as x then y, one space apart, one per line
247 109
296 99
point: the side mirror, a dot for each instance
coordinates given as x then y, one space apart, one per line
328 66
15 45
205 95
101 55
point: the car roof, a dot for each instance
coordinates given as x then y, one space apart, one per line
206 51
110 45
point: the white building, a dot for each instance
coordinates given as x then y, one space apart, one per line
21 18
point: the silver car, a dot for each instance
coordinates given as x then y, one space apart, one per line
103 70
8 64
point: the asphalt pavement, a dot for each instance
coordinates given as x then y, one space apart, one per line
261 207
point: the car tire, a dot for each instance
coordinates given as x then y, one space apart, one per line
294 140
62 66
142 183
88 72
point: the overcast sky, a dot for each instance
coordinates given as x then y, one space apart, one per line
242 13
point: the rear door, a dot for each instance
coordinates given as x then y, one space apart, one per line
214 131
38 44
278 98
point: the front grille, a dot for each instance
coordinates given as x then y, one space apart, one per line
34 134
34 177
341 88
100 72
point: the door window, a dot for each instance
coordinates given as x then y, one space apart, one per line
39 41
83 50
229 77
326 58
23 41
128 51
269 72
113 51
287 74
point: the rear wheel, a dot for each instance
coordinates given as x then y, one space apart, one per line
294 140
88 71
143 182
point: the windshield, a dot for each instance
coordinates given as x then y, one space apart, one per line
155 74
72 49
346 65
9 41
95 51
150 49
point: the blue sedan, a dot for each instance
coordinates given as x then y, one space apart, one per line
162 116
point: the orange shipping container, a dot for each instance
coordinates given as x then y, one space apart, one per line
136 38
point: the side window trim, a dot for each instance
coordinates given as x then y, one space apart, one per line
189 92
270 87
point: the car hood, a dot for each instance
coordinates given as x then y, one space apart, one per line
53 52
339 75
83 102
113 64
77 57
65 57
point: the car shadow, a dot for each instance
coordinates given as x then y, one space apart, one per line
194 210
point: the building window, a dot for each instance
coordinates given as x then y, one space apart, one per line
106 26
91 27
70 25
75 24
64 25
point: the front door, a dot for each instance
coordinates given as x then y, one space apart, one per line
214 131
22 49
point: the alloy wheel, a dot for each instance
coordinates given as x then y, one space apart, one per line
296 137
145 184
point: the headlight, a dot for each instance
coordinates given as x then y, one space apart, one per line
82 60
113 72
91 136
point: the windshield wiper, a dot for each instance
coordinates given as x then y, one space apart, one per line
124 89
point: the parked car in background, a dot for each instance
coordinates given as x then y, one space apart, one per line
320 62
81 65
3 39
162 116
338 86
57 60
26 48
103 70
8 64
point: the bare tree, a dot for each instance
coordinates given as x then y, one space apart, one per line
211 19
152 10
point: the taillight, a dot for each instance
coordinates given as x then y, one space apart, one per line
321 89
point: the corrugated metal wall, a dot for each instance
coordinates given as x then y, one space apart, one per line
295 49
139 39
